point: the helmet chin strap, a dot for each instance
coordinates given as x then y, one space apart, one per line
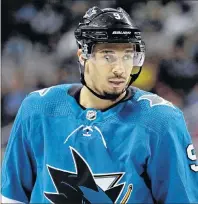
134 77
107 96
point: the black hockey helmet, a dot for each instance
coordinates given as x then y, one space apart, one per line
109 26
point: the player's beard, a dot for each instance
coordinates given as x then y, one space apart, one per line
111 95
114 95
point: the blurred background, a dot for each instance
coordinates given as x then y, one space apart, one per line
38 50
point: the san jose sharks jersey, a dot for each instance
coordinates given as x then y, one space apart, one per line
138 151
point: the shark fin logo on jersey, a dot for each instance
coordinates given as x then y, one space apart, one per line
155 100
85 187
42 92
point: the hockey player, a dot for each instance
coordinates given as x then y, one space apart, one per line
103 141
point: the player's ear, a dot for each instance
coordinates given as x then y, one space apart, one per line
80 57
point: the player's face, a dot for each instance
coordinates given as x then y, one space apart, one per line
109 68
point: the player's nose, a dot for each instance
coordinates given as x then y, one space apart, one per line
118 68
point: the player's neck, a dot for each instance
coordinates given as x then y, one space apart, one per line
89 100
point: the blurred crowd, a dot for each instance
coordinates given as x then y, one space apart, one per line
39 50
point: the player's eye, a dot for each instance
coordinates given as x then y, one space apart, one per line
109 58
128 57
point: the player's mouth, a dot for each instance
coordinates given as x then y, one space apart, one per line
116 83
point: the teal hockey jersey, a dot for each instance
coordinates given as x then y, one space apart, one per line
138 151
